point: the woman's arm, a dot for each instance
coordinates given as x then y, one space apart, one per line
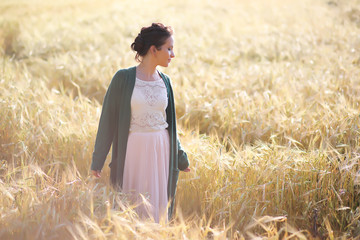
183 161
107 125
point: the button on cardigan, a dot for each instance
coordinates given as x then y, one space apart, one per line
114 130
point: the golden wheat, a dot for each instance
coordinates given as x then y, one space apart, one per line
267 96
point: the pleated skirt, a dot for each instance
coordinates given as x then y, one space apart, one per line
146 173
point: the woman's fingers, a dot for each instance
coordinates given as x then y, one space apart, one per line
96 173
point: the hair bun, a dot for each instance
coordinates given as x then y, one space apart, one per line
138 43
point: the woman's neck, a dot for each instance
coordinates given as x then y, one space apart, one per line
146 71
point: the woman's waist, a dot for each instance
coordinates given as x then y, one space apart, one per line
147 127
147 130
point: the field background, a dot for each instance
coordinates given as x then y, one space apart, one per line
267 95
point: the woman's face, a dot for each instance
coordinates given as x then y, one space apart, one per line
166 52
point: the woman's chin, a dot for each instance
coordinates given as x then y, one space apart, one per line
164 65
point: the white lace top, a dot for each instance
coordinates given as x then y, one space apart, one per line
148 104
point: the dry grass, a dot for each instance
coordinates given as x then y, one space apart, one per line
267 97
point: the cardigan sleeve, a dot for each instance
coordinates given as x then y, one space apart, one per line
183 161
107 124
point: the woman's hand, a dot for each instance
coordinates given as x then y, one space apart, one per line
187 170
96 173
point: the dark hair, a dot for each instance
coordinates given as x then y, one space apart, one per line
155 35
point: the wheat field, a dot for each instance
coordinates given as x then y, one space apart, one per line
267 96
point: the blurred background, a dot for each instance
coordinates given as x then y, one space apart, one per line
267 96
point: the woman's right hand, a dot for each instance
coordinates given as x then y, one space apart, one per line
96 173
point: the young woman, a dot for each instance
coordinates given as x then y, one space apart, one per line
138 119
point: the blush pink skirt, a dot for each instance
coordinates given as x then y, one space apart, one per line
146 173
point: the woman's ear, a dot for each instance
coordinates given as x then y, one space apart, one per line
153 50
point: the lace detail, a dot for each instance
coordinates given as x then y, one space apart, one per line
151 90
148 104
154 121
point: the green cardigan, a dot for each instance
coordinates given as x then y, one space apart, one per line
114 129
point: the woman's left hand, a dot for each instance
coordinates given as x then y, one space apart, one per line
96 173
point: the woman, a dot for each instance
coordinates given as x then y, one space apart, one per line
138 118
